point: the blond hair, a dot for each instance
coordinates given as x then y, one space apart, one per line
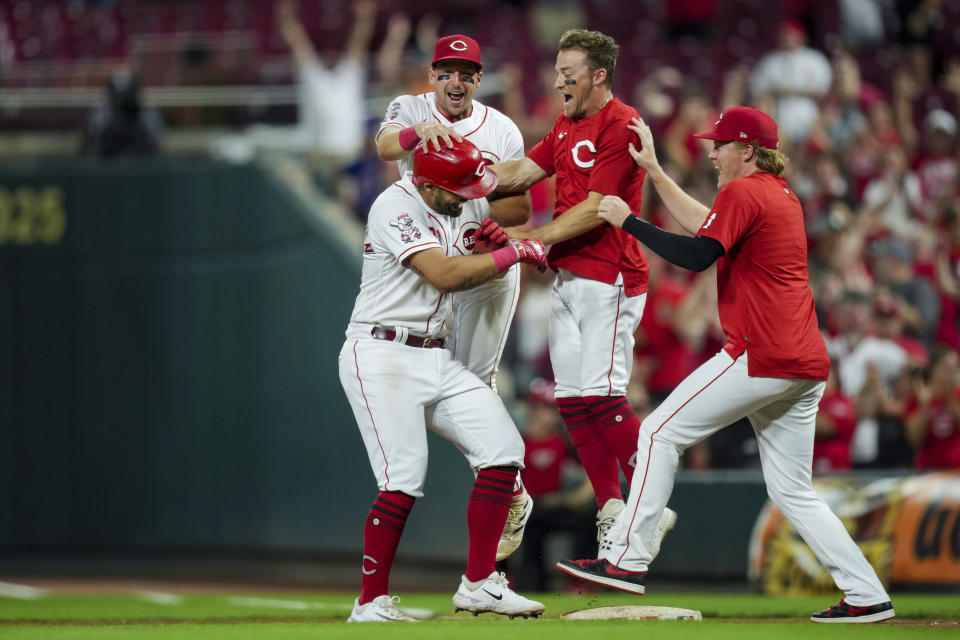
769 160
601 49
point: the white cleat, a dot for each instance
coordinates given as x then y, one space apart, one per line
495 596
607 517
668 519
520 508
380 609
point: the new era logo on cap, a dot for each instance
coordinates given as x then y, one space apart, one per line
457 47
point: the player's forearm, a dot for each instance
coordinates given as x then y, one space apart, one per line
388 145
573 222
458 273
695 253
684 208
517 176
510 210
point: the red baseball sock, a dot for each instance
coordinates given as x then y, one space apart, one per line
381 536
620 427
596 458
486 515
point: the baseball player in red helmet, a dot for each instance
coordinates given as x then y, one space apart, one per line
483 314
601 283
400 381
771 371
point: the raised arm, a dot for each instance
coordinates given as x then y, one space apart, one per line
291 28
364 20
684 208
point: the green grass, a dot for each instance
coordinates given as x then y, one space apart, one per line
321 615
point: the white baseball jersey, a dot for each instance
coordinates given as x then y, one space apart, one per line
398 391
400 224
483 314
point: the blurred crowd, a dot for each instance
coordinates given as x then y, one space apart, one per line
867 94
874 164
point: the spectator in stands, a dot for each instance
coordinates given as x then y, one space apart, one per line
918 301
795 77
122 124
560 489
332 82
936 163
894 196
947 271
932 414
869 370
694 113
836 424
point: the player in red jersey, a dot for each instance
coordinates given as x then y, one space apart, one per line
601 283
771 371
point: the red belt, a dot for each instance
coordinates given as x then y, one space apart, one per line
412 341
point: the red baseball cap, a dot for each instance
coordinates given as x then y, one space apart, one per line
743 124
457 47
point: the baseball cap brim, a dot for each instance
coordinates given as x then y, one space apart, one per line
708 135
479 189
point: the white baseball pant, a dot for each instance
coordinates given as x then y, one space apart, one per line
397 392
481 321
591 336
783 412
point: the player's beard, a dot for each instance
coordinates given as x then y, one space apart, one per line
451 209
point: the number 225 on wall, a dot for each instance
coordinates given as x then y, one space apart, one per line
31 216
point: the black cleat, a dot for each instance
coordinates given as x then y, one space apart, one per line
600 571
844 612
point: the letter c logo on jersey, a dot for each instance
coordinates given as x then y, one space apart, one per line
575 151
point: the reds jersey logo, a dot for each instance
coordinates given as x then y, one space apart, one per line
408 231
578 154
466 238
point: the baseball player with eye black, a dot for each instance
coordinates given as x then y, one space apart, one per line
600 288
481 315
400 381
772 370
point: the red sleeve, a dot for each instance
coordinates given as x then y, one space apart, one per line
730 217
614 167
542 154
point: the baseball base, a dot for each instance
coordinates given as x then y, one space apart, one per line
633 612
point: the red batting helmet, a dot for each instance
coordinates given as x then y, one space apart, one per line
461 170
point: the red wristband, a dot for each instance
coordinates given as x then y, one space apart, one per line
505 257
408 138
